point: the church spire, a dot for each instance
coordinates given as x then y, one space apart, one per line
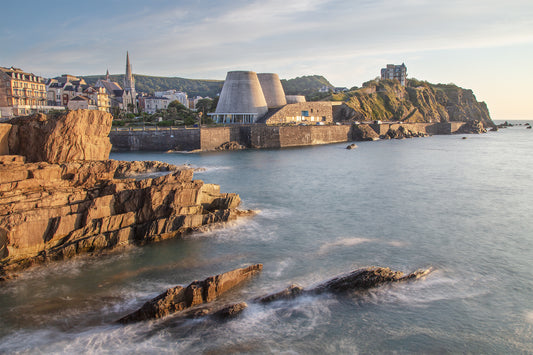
129 82
107 75
130 96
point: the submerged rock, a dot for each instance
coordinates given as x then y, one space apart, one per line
352 146
180 298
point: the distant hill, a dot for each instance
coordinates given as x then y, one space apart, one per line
150 84
303 85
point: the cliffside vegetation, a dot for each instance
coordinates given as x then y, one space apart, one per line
419 101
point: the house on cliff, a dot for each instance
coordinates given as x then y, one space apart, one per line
248 97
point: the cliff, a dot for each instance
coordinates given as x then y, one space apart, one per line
55 209
387 100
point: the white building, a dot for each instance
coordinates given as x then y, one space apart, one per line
173 95
154 103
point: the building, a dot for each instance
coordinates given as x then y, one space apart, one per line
129 97
173 95
100 98
119 98
241 100
248 97
398 72
21 93
81 103
60 90
113 90
154 103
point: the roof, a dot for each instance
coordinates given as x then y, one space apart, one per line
80 98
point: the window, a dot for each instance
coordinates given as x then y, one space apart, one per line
305 113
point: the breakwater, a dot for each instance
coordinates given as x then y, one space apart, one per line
256 136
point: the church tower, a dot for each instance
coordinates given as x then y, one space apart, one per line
130 96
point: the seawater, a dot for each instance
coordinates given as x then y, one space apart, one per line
460 206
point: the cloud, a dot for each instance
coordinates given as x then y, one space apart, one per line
208 38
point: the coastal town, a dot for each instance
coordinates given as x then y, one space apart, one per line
246 97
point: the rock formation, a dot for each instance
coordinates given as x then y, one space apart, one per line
475 127
51 211
195 300
358 280
78 135
363 132
230 146
364 279
402 133
180 298
419 101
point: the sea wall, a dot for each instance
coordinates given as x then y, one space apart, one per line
257 136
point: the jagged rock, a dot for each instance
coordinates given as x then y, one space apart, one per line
77 135
475 127
52 211
179 298
505 125
358 280
352 146
364 279
289 293
494 129
363 132
131 168
230 146
230 311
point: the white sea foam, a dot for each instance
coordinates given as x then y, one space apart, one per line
529 316
353 241
211 169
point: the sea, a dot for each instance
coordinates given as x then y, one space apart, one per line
463 207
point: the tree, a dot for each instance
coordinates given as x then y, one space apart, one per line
204 106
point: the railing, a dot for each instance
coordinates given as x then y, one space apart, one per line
151 128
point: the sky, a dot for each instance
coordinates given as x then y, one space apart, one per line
483 45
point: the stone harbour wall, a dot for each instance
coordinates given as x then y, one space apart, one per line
259 136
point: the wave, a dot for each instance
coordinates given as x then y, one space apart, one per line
211 169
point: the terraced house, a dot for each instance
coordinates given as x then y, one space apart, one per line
21 93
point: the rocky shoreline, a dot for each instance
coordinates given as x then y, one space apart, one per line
61 196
